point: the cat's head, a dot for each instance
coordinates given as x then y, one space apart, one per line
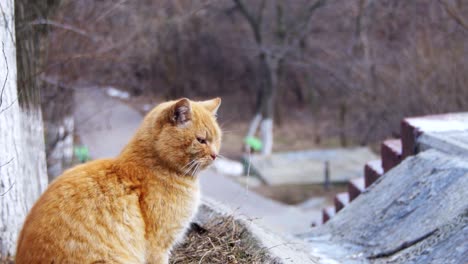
188 136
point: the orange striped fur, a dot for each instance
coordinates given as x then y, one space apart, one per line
133 208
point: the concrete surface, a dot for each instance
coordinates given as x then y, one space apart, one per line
309 166
282 218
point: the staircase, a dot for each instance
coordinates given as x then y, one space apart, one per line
393 151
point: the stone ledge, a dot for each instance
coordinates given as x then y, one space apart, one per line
280 249
451 142
409 211
414 127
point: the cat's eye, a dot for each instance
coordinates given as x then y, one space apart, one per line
201 140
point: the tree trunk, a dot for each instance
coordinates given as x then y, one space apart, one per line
22 160
342 124
266 132
57 111
57 99
268 102
28 61
254 125
265 109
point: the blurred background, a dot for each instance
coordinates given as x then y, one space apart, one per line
340 73
296 75
314 96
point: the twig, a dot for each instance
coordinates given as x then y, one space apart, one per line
63 26
453 14
206 253
104 14
7 73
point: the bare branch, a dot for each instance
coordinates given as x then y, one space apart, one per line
110 10
254 23
359 16
296 36
310 12
261 10
64 26
454 14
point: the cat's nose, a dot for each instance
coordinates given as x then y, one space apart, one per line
213 156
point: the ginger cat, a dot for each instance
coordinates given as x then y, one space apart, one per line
131 209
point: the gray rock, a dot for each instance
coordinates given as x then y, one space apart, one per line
415 213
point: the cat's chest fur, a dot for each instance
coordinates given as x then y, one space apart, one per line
168 208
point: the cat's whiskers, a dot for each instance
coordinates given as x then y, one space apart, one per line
189 163
200 167
221 156
191 167
197 168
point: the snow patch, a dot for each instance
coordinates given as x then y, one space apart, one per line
113 92
429 125
147 107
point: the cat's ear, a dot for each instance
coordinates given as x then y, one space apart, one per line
181 112
212 105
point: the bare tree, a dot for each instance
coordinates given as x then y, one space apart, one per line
22 159
361 64
279 31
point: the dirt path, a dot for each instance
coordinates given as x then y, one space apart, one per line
104 124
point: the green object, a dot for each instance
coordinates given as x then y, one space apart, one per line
255 143
82 153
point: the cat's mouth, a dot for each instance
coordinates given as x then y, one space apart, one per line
207 163
197 165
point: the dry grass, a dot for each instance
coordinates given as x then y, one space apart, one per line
9 260
222 240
